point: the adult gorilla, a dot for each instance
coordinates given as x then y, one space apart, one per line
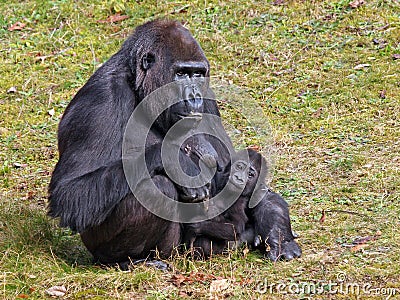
88 190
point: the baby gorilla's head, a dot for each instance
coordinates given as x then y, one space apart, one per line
244 173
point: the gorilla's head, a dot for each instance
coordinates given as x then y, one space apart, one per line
162 52
244 174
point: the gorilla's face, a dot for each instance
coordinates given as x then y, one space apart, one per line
244 173
244 176
173 56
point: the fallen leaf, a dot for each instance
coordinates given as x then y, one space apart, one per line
114 18
202 277
51 112
30 195
255 147
178 279
323 217
57 291
246 281
356 3
396 56
318 112
219 285
357 248
17 26
360 243
23 296
363 240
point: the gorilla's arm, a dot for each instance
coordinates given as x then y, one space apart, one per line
155 166
87 200
213 229
228 226
88 180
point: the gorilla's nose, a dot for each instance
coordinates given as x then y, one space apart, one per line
196 102
193 98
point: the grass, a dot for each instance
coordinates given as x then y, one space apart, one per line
326 77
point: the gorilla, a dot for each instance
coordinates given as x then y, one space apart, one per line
89 191
213 236
269 221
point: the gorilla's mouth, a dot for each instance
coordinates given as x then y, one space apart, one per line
237 185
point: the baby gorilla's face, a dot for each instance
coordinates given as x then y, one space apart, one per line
243 176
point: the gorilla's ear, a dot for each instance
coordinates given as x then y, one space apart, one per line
148 61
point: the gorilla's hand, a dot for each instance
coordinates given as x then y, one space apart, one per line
287 250
187 192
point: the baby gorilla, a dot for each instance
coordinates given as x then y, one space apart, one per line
266 226
213 236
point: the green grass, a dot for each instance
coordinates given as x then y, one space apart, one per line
336 133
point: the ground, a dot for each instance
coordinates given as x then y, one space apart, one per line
326 76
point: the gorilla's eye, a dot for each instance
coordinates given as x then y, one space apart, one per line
240 166
148 61
181 74
251 174
198 74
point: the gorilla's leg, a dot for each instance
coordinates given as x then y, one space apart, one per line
272 228
132 232
204 247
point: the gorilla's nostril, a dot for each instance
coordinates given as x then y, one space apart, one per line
196 102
